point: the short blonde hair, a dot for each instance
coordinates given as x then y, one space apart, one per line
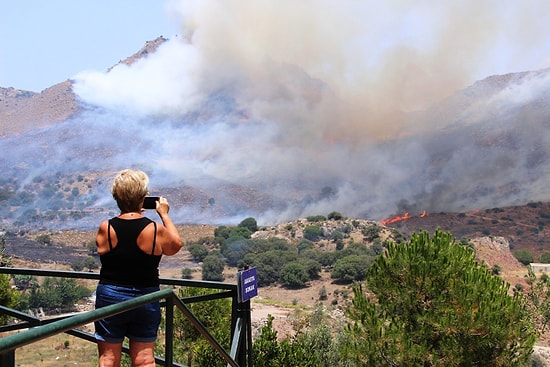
129 188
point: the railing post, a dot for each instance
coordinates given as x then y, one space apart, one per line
7 359
245 353
169 332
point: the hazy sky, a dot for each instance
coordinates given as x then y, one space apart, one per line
43 43
46 42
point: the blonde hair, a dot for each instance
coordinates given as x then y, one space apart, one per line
129 188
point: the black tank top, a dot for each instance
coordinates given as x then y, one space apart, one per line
126 265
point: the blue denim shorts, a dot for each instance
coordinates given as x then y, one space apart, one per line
140 324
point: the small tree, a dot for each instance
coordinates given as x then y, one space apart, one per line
351 268
294 275
249 223
212 268
335 216
434 305
8 297
57 293
313 233
523 256
545 258
198 251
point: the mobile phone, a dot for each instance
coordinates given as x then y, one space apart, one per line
150 202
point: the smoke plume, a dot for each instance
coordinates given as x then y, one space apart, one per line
320 106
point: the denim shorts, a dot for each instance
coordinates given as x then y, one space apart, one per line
140 324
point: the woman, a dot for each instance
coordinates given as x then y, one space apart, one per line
130 247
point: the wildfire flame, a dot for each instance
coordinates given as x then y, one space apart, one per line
401 217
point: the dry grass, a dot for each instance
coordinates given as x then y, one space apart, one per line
51 352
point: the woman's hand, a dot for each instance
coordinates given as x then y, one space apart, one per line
162 206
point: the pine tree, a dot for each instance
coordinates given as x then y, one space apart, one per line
430 303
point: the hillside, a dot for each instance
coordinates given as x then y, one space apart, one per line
525 227
236 150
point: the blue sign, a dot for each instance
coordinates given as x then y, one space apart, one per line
248 281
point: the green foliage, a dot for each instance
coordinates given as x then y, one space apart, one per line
319 346
335 216
57 293
25 282
545 258
92 247
269 264
249 223
8 297
240 232
437 306
316 218
351 268
304 245
189 346
44 239
312 267
186 273
198 251
87 263
539 295
523 256
5 260
337 236
323 295
222 231
212 268
294 275
313 233
371 232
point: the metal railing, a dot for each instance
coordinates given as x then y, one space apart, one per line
240 354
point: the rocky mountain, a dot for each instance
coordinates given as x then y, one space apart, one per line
482 148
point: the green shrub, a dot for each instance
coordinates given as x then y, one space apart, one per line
523 256
294 275
313 233
545 258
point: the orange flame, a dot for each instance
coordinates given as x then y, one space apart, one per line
400 218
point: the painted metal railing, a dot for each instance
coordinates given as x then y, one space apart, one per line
240 354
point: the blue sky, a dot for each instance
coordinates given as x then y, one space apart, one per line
46 42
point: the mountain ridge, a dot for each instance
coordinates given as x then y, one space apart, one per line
459 131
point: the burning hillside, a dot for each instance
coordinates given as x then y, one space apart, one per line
274 128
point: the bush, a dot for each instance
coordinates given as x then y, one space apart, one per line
351 268
294 275
335 216
186 273
316 218
44 239
545 258
371 232
249 223
313 233
57 293
212 268
323 295
523 256
198 252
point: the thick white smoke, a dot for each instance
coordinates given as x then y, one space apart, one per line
294 97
